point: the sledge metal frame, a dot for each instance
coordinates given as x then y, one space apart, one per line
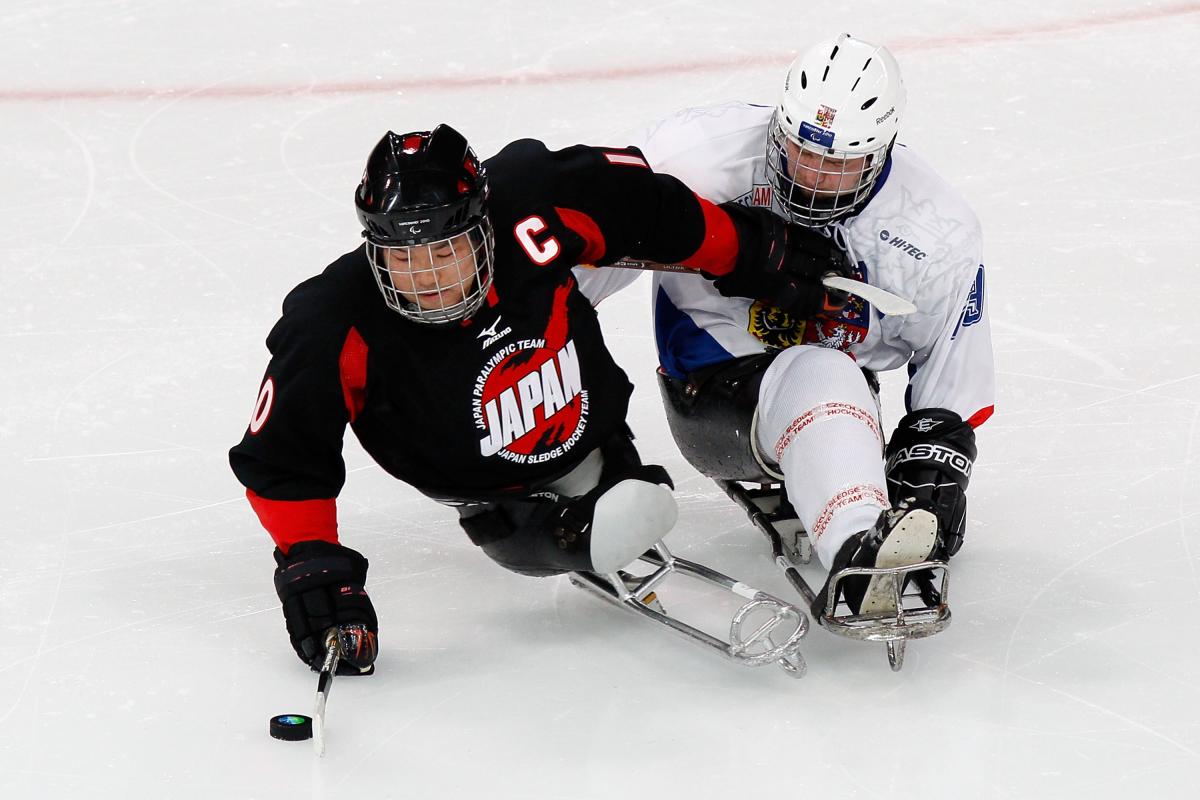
750 643
914 617
894 630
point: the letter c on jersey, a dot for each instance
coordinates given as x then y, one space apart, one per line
262 406
541 254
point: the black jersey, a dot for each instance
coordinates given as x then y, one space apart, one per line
505 401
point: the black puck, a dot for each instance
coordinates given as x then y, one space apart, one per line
291 727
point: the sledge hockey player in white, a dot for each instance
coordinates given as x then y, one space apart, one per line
756 395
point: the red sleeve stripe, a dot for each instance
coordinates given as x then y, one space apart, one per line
291 521
718 252
352 365
587 228
626 159
557 329
981 416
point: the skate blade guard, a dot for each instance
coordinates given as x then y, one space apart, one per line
764 630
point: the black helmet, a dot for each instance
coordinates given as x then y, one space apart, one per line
427 189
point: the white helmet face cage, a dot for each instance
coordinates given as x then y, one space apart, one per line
816 185
833 128
436 282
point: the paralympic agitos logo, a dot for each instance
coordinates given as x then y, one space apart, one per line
529 402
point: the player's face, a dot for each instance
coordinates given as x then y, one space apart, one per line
820 175
436 275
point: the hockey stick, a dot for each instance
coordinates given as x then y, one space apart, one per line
883 300
324 684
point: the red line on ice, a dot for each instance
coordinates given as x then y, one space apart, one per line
447 83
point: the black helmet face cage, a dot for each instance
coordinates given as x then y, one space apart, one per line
436 282
815 185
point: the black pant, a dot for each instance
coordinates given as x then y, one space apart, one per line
542 533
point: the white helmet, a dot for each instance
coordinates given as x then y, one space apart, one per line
833 129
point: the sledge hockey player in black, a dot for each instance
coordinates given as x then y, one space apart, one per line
457 346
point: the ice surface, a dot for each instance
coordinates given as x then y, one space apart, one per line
171 170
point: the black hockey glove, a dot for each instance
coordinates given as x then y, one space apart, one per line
929 458
782 264
322 586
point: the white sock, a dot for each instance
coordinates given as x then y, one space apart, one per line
817 421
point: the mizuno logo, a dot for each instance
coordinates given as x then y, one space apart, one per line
490 331
492 336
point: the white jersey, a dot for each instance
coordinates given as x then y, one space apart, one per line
916 237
